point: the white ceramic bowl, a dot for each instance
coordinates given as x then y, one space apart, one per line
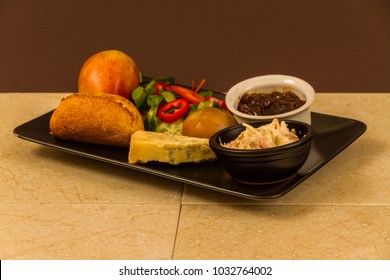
268 84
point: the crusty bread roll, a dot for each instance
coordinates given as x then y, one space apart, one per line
107 119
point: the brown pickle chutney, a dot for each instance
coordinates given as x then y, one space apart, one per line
266 104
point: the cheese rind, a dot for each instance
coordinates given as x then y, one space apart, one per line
148 146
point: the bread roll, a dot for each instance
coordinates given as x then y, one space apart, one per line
96 118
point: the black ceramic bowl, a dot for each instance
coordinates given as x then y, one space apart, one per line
262 166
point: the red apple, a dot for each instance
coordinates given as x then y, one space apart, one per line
109 71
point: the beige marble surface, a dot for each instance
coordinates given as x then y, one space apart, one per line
55 205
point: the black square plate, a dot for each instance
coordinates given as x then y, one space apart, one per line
332 135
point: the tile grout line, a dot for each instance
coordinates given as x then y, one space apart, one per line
178 222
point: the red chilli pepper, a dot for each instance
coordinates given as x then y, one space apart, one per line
220 102
161 86
174 110
188 94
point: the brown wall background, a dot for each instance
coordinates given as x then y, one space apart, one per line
336 45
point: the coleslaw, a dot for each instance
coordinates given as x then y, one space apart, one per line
267 136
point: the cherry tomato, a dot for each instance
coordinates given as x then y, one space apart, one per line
174 110
188 94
